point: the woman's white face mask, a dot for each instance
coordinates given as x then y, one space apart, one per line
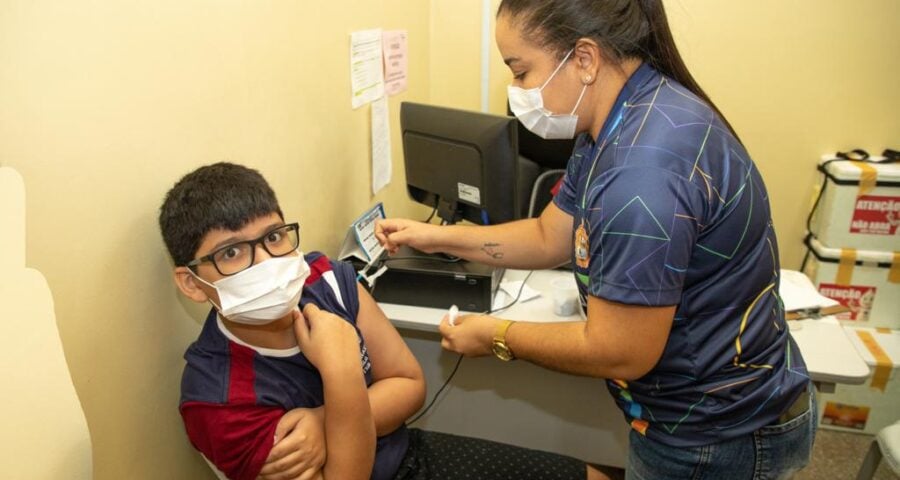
263 293
528 107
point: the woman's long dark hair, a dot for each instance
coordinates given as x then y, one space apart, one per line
623 28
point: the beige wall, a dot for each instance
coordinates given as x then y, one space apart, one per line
104 105
796 79
455 78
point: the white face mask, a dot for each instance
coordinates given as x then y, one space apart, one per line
528 106
263 293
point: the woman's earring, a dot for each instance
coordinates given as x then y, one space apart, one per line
587 79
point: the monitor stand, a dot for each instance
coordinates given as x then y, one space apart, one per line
435 280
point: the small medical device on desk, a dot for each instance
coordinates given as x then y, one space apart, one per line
419 279
411 277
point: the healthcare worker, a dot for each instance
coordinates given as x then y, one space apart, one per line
667 223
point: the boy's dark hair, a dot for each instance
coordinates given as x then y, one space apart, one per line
218 196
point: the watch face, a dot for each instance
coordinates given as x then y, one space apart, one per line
501 351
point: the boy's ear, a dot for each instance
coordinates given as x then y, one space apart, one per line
188 285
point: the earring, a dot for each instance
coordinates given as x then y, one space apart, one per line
587 79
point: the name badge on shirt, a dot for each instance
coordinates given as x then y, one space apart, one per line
582 246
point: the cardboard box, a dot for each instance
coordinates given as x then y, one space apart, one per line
869 407
860 205
867 282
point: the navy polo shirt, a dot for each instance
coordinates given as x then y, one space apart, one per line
669 209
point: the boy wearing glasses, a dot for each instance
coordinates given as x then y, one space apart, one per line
272 393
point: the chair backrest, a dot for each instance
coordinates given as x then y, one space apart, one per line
541 193
44 432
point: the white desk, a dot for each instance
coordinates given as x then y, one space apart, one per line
522 404
539 309
830 356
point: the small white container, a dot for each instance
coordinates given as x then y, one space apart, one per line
870 286
875 404
850 217
565 297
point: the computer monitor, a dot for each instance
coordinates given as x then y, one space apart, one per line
465 163
548 154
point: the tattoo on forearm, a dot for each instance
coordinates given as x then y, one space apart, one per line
492 250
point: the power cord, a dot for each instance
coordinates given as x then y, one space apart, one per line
438 393
515 300
460 357
433 211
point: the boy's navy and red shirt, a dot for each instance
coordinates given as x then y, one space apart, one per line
233 394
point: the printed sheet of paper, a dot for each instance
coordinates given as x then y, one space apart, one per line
395 61
360 241
366 74
381 145
364 228
798 292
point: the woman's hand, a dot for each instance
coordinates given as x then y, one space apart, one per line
299 450
393 233
472 335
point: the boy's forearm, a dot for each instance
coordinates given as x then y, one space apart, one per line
393 400
349 429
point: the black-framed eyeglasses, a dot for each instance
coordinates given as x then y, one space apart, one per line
239 256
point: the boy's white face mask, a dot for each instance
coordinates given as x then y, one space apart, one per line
263 293
528 107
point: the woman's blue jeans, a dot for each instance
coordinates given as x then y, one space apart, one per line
772 452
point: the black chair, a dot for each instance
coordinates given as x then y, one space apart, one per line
541 192
550 157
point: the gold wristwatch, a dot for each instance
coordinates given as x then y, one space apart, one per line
498 346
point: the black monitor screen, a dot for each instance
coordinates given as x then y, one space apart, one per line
549 154
463 163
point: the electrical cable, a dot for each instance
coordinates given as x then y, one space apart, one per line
515 300
436 395
460 357
433 211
